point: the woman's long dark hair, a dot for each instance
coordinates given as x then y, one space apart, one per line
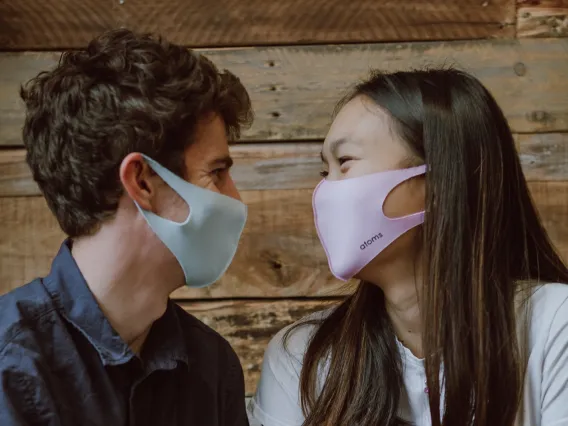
481 237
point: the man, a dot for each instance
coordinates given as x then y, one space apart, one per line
128 142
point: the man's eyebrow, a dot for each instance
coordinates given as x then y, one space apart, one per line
226 161
333 147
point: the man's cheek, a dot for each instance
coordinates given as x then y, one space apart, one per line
172 207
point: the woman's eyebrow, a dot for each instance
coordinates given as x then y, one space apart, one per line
334 146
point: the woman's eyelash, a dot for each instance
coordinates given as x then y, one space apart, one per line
341 161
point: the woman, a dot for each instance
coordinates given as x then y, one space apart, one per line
461 314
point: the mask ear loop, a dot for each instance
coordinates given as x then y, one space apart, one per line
172 180
410 173
315 218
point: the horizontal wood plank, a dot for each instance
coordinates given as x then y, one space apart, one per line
269 166
280 254
257 166
551 200
294 89
542 18
15 176
249 325
34 25
544 156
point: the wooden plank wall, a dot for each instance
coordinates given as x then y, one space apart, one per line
296 57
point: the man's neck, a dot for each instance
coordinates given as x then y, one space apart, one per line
128 284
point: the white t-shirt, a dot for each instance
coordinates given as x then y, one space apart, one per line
545 400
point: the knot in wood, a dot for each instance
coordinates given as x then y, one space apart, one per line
553 22
520 69
538 116
275 264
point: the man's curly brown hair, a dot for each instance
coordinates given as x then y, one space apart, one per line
124 93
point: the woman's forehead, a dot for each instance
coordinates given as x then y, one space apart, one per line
359 122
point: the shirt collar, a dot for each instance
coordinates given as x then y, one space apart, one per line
66 285
165 344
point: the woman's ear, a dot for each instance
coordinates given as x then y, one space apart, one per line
137 179
421 190
416 194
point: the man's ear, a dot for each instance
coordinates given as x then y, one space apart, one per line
138 180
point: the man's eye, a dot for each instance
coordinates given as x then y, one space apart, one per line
218 172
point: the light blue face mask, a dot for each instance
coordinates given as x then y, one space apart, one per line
205 243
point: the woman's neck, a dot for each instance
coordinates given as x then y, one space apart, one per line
404 313
401 283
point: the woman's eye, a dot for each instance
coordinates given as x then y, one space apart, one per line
343 160
323 173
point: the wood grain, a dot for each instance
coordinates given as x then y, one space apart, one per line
269 166
249 326
38 25
15 176
257 166
294 89
280 254
544 156
551 199
542 18
34 25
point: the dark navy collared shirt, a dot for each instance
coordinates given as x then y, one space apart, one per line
62 364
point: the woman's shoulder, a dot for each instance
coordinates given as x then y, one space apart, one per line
547 309
292 341
546 381
277 398
546 299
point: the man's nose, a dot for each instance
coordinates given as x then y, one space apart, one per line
231 189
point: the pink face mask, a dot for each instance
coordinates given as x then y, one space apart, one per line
350 221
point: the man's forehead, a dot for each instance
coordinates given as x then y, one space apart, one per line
210 141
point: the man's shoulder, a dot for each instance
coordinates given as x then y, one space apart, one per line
24 329
23 319
203 341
